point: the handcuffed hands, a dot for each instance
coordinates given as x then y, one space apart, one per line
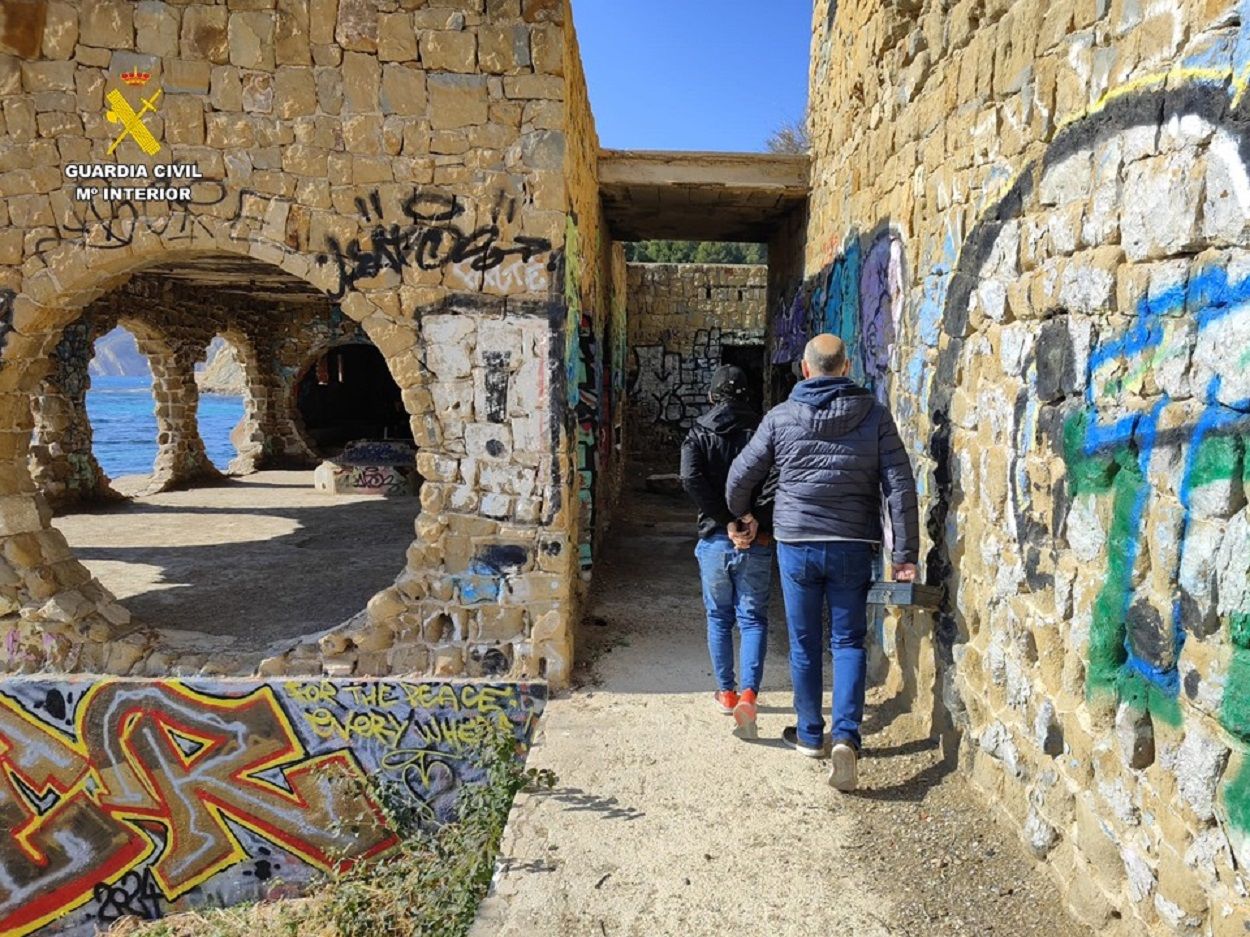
742 532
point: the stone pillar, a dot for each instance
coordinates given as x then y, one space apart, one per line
253 436
272 388
62 463
181 458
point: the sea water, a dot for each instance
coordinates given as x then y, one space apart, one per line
123 424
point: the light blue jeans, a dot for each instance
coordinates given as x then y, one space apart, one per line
735 590
838 572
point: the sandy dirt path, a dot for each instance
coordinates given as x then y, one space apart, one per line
662 823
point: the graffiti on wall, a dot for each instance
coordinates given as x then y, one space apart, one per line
858 296
587 395
1202 326
1152 419
108 223
147 797
428 236
670 387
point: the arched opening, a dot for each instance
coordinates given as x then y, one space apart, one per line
193 554
227 410
121 422
346 394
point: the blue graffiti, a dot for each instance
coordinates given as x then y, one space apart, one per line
790 332
1209 298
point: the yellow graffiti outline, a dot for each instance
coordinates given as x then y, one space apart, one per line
75 790
281 760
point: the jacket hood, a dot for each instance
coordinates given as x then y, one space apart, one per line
832 406
728 416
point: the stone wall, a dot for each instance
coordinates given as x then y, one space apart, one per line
406 160
1030 221
681 319
593 329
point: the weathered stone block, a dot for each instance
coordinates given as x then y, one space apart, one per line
403 90
361 80
108 24
357 26
205 34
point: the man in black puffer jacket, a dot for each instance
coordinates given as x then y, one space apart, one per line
735 568
838 450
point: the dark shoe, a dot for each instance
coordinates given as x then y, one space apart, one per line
791 737
843 768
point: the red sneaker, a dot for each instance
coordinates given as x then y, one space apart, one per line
744 716
726 700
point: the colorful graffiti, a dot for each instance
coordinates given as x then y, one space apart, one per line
371 467
1152 418
1110 449
145 797
589 395
858 296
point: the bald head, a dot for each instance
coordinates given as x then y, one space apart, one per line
824 356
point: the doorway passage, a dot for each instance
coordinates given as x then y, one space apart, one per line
347 394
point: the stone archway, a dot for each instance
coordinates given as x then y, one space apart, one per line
59 616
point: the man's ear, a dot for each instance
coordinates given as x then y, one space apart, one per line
807 372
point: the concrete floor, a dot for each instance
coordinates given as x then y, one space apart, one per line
258 559
662 822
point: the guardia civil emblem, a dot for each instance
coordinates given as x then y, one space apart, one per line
120 111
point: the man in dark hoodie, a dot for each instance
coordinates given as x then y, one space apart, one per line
734 565
837 450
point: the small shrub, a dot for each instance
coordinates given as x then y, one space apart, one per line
432 885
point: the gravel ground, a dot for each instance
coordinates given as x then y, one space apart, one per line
663 823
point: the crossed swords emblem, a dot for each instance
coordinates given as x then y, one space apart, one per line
120 112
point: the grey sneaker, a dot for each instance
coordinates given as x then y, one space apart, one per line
843 768
790 735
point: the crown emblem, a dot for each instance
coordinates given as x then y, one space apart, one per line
136 78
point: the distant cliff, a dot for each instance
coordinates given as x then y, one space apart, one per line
224 372
117 355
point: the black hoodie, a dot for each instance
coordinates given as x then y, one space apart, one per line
837 450
706 454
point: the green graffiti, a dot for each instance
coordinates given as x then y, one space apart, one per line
1219 458
1086 473
1237 798
1144 696
1235 711
1107 653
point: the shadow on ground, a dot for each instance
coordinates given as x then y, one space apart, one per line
260 560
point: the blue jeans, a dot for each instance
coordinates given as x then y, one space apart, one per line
841 573
735 588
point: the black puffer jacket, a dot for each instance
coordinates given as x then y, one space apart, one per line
837 450
706 454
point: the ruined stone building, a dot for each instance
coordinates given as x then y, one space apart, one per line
1029 221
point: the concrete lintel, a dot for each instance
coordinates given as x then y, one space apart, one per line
784 173
700 196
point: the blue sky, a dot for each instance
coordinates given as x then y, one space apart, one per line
693 74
